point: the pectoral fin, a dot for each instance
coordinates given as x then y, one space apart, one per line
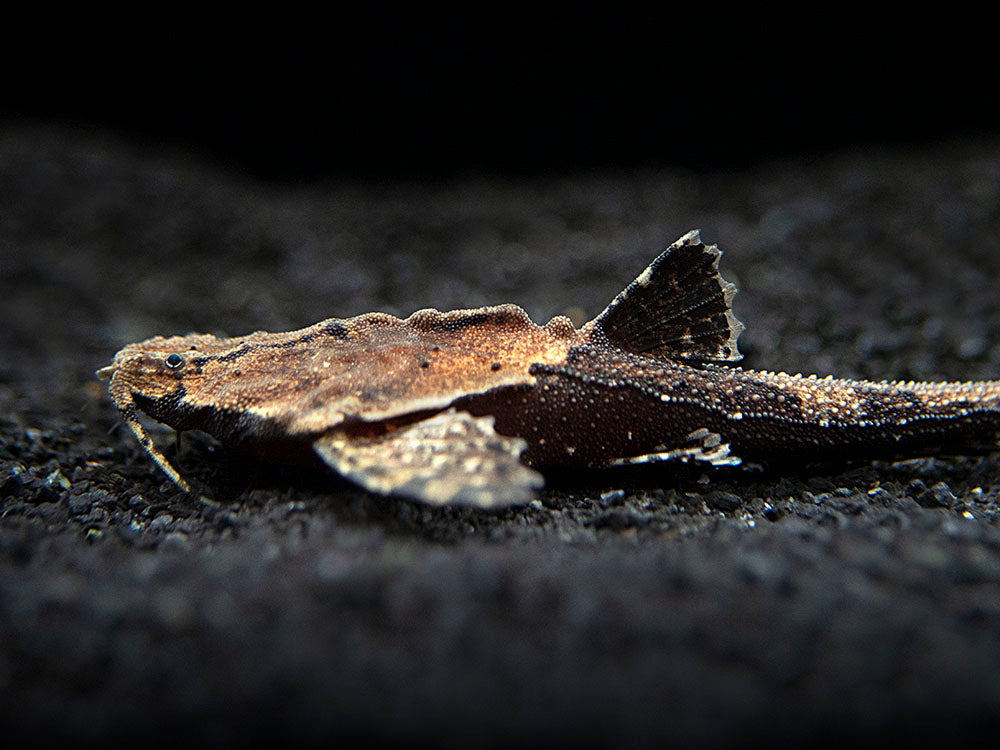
451 458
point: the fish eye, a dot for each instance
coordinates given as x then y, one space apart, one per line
174 361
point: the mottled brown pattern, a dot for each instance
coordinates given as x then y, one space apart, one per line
441 406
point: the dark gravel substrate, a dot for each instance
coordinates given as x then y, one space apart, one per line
836 604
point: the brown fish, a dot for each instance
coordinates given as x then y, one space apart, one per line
454 407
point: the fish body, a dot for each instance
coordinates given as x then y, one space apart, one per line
466 406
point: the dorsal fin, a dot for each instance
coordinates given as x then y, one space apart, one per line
679 307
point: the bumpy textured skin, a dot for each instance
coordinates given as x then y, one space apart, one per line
451 407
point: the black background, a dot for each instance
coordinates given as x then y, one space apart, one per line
365 89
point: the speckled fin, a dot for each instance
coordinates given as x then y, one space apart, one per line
701 445
451 458
679 307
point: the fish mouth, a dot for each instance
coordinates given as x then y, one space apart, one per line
105 373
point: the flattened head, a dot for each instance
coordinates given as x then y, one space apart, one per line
150 370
